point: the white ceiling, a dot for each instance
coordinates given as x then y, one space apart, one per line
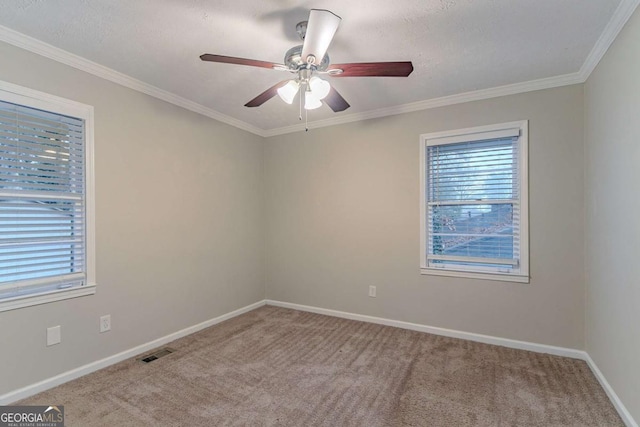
456 46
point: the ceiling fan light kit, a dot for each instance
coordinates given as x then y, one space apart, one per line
311 101
289 91
315 89
319 87
308 60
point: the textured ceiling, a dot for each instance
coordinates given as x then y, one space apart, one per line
456 46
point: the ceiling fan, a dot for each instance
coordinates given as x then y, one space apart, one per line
309 60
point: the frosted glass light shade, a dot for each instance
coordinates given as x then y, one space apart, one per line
311 101
289 91
319 87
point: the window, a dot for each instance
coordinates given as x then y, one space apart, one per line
46 204
474 203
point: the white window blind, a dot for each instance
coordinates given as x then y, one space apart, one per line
473 202
42 201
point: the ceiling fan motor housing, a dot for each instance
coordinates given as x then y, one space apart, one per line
294 62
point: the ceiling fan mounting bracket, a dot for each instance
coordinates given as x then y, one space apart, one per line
301 29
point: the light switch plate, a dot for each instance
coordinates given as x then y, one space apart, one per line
372 291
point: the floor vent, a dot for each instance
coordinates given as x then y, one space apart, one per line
157 355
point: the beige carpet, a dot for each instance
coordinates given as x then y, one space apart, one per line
280 367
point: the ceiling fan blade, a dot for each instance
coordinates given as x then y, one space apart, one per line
266 95
321 28
335 101
239 61
372 69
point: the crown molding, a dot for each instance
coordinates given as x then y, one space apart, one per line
31 44
620 17
476 95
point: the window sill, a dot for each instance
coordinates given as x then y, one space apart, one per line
474 275
44 298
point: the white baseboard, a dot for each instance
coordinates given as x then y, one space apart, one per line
487 339
64 377
615 400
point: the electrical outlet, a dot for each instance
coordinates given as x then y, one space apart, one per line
54 335
372 291
105 323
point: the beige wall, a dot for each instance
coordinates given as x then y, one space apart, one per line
342 213
179 239
612 99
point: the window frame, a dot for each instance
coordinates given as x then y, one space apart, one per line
470 135
43 101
